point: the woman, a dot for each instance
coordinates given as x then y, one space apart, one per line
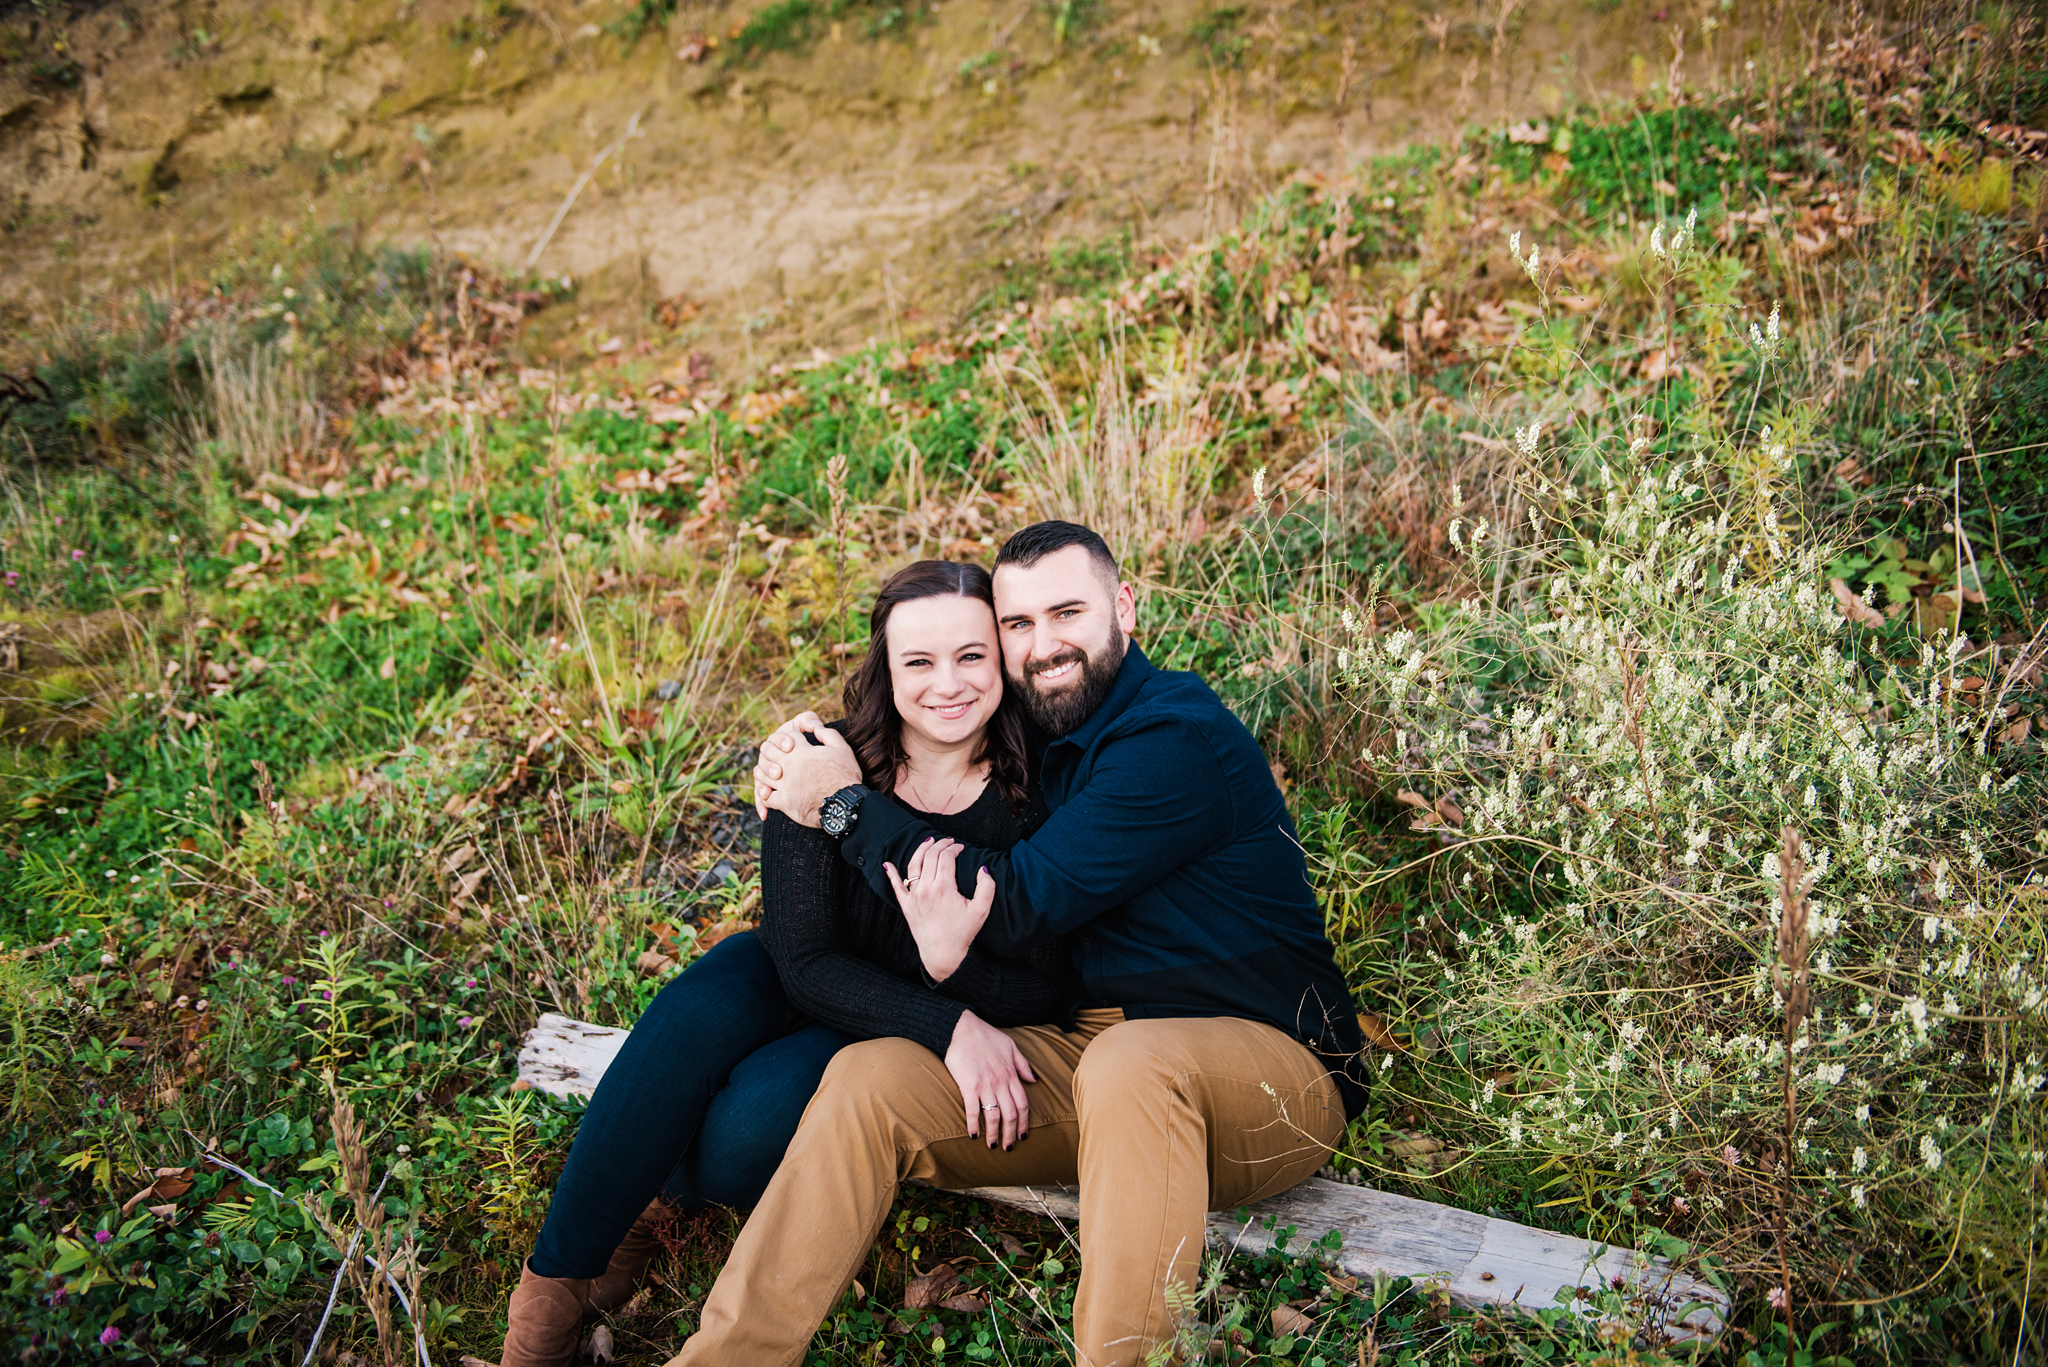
704 1096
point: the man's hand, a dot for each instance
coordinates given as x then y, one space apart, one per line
991 1071
794 776
942 922
779 743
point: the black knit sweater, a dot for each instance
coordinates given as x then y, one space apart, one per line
847 958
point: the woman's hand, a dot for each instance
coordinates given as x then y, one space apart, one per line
991 1071
942 922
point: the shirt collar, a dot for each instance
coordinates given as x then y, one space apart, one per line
1131 677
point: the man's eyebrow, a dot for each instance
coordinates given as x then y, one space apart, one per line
1056 607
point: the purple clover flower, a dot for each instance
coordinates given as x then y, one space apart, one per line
101 1236
109 1336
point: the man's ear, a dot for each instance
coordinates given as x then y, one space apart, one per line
1126 608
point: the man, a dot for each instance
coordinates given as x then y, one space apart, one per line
1206 1055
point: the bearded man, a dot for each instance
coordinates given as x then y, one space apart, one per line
1207 1053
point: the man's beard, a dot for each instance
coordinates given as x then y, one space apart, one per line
1062 713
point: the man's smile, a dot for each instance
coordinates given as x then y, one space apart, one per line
1056 673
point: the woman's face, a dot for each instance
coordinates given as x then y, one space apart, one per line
945 669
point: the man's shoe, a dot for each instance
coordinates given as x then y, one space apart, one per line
542 1323
629 1263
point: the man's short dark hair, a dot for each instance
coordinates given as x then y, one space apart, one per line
1033 544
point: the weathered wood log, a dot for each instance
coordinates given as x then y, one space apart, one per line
1479 1261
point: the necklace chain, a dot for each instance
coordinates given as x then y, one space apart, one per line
918 799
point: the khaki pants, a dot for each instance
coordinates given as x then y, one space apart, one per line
1160 1121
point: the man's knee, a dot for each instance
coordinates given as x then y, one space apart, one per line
1131 1059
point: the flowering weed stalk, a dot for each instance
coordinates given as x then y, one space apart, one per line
1742 947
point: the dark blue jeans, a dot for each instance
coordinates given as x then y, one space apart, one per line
699 1106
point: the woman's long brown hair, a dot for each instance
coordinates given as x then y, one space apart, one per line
873 726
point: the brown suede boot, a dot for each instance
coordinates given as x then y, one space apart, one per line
629 1263
543 1323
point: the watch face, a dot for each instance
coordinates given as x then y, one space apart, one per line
832 816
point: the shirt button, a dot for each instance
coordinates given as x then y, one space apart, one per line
861 860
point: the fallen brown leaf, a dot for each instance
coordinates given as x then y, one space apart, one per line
731 925
967 1303
652 963
922 1293
1853 607
1378 1035
1288 1320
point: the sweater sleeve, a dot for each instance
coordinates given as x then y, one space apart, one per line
805 887
1004 991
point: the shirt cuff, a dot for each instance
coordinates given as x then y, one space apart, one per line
881 819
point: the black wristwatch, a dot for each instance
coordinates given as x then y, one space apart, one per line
838 813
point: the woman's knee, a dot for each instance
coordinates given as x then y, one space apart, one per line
735 975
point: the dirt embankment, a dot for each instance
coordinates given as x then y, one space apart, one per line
889 159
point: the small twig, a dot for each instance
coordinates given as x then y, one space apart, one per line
340 1271
419 1335
632 131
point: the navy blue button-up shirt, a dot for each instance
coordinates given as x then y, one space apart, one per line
1170 864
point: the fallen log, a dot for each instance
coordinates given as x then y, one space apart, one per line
1478 1261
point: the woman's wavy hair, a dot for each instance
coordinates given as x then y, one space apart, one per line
874 728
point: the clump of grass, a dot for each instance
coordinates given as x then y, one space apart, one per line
1142 466
266 413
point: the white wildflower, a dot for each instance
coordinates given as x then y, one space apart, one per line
1929 1153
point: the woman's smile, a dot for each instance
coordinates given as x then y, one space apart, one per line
952 711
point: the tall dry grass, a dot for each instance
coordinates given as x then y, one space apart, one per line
1139 467
266 409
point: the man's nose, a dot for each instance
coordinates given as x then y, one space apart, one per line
1045 643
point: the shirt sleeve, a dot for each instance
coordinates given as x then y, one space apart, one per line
1155 799
804 893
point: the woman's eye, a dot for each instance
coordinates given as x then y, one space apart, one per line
971 656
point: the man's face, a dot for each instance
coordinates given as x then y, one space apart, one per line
1063 628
